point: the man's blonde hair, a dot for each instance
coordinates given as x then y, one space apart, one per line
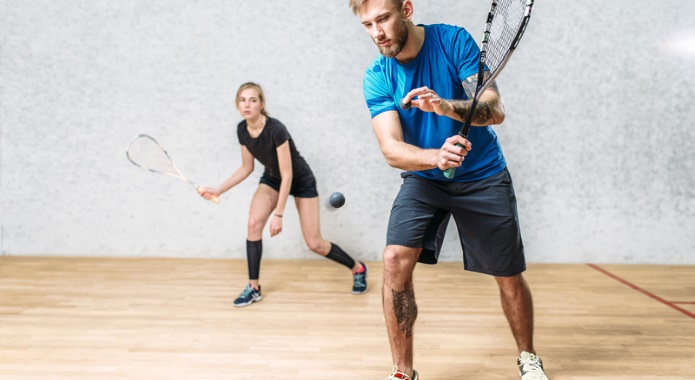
356 4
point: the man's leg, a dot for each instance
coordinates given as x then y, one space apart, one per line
518 308
400 310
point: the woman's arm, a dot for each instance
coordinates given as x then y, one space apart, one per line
285 164
239 175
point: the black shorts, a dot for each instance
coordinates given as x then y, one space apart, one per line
485 214
304 187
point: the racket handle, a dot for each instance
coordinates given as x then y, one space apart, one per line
213 198
449 173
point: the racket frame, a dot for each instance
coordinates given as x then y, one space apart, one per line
483 83
178 173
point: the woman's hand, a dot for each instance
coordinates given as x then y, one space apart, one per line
208 192
275 225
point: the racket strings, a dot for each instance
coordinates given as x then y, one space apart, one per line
145 152
506 23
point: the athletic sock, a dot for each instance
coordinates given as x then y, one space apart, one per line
338 255
254 251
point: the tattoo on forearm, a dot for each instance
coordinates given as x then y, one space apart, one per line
469 85
405 309
485 112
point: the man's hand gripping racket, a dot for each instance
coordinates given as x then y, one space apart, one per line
147 154
505 25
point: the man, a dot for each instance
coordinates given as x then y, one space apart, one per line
427 65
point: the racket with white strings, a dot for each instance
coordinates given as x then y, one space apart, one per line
506 23
147 154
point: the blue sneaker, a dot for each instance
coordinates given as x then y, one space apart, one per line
359 280
248 296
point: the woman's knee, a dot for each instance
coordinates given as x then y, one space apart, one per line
316 245
255 224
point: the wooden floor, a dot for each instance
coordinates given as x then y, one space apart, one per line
99 318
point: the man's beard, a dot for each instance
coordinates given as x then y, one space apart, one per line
397 42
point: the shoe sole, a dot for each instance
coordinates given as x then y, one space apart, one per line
248 303
366 272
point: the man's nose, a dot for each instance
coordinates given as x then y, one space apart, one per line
376 32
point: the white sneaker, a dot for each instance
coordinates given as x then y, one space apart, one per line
398 375
530 367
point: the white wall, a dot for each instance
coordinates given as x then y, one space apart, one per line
599 134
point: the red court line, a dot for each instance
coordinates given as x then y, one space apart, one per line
637 288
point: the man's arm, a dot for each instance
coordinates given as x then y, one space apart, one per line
489 110
399 154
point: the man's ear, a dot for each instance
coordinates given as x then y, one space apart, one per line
407 10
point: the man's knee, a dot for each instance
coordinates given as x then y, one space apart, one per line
511 284
398 258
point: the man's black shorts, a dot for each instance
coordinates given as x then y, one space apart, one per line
485 214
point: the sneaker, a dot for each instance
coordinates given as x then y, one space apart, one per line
359 280
248 296
396 374
531 367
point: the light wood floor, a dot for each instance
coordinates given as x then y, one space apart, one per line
99 318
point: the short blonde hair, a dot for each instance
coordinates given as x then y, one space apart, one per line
258 89
356 4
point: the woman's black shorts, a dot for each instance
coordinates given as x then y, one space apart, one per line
304 187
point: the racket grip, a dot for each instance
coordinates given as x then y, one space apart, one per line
449 173
213 198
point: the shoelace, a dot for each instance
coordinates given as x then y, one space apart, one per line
248 290
533 367
359 279
392 376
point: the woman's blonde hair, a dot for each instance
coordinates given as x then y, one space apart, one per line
258 89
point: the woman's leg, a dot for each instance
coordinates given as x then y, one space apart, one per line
262 204
309 215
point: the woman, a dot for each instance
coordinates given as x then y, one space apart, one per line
286 173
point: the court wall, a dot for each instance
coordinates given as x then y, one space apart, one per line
598 136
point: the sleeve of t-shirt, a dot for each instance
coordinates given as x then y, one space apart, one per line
466 53
280 134
239 135
377 92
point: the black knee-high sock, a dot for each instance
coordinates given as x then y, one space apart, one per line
338 255
254 251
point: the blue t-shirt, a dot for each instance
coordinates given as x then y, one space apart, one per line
448 56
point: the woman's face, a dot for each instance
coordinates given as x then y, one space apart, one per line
250 104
